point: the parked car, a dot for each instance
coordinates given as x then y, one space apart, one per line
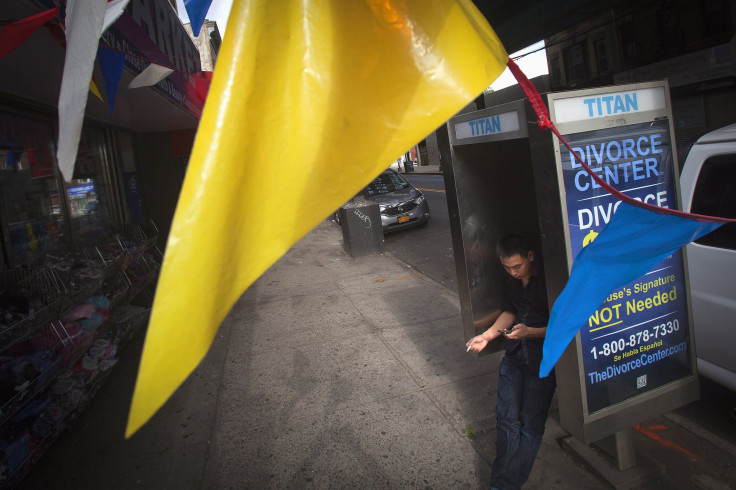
708 184
401 204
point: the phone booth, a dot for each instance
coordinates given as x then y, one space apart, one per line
502 179
635 357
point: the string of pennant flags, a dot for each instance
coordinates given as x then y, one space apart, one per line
17 32
111 60
84 23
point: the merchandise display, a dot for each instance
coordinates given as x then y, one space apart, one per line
62 325
27 298
80 274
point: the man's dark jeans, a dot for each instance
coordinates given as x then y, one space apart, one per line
523 404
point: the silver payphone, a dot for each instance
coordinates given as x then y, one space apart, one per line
502 180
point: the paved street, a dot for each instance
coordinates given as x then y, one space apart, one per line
428 248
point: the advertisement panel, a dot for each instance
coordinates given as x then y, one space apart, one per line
638 339
635 355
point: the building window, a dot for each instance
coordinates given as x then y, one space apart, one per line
575 66
31 200
715 195
629 44
601 56
669 34
554 68
716 17
37 209
214 36
88 193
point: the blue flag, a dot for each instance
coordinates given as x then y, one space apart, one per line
634 241
12 158
197 11
111 64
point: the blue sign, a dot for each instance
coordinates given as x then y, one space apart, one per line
638 339
80 190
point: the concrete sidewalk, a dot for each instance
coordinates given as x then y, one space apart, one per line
425 169
330 371
420 169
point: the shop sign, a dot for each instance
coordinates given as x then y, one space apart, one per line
149 31
80 190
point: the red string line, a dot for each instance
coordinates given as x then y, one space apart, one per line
544 122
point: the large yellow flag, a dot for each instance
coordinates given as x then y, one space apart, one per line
310 100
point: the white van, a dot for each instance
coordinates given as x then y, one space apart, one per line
708 184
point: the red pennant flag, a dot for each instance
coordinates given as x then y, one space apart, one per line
13 35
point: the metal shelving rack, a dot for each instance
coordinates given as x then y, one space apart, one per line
121 265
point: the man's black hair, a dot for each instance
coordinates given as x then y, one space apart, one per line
512 244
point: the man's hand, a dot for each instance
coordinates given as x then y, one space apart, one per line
477 343
518 332
521 331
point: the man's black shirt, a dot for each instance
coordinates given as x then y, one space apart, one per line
529 304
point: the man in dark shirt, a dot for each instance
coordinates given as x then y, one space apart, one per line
523 397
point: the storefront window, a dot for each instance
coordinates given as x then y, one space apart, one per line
31 205
89 192
37 209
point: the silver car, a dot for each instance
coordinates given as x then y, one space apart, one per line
401 204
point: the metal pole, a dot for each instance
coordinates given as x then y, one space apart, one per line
625 452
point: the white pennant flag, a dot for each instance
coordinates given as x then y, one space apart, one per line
114 11
85 22
150 76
